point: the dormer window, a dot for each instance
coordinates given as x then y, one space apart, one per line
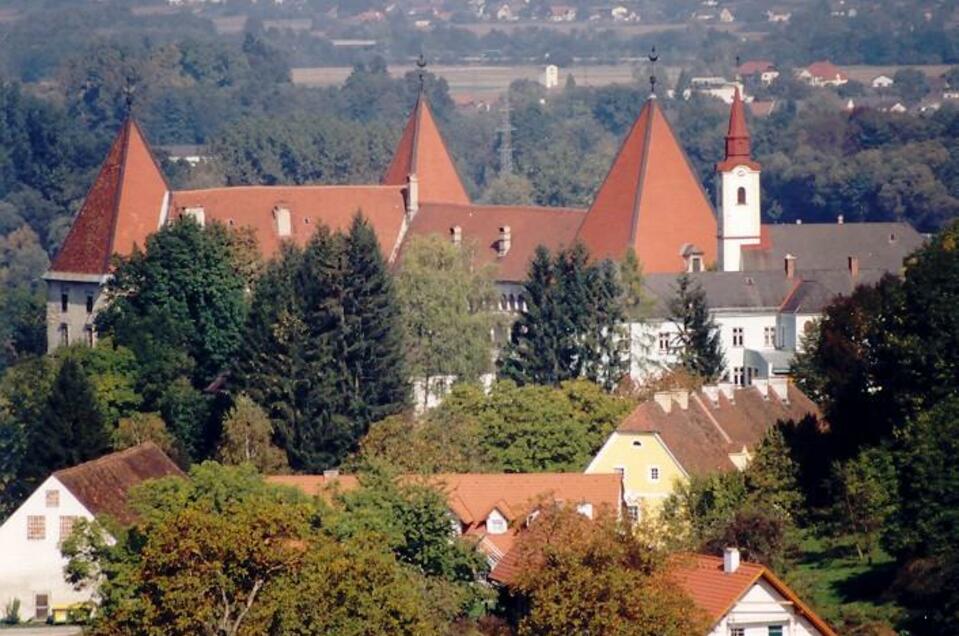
741 196
282 217
496 523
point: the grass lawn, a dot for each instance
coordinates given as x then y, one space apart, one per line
842 588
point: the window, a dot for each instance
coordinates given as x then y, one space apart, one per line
633 513
737 336
663 342
654 473
88 335
66 526
64 332
775 630
694 264
36 528
769 336
53 498
741 196
495 523
42 603
64 300
737 631
89 303
738 376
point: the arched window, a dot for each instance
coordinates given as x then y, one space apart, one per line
512 302
503 303
741 196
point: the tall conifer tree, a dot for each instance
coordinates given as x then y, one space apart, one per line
71 429
702 352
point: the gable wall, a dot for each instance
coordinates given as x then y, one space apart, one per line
30 567
761 607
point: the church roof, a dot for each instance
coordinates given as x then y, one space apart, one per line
529 226
422 151
122 208
310 206
651 201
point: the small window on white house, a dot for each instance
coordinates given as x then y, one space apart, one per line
737 631
36 527
654 473
53 498
769 336
737 336
775 630
738 376
42 604
741 196
88 335
663 342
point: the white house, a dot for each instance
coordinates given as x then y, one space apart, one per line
746 599
31 566
882 81
718 87
726 16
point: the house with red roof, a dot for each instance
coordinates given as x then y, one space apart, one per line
31 566
492 508
745 599
823 73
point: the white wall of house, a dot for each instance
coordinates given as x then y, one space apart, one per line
72 304
30 560
759 609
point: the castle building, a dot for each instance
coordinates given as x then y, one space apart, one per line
772 280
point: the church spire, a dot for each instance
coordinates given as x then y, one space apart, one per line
737 137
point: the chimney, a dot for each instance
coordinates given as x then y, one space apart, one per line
854 266
840 219
505 240
790 266
730 560
412 195
456 235
331 475
664 399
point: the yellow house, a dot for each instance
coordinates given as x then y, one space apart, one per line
681 433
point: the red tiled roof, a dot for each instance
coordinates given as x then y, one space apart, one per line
651 200
121 208
762 108
383 206
529 227
103 485
422 151
825 70
751 67
737 139
717 592
702 436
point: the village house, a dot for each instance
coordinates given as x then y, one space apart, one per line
778 17
31 566
823 73
763 69
681 433
493 508
562 13
745 599
882 81
718 87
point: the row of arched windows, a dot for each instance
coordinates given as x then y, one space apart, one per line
512 302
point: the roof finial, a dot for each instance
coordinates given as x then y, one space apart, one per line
421 65
737 74
653 58
129 89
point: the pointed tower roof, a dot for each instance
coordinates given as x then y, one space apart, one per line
737 139
423 152
651 201
124 206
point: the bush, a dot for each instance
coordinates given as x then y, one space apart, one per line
11 612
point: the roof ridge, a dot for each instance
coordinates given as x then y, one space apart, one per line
115 455
643 165
124 153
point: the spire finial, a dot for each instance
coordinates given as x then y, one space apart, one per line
653 58
129 89
421 66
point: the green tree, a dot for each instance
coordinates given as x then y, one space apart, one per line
247 438
865 498
701 352
71 428
911 84
572 326
140 428
446 305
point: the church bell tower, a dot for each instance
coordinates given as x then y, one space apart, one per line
737 192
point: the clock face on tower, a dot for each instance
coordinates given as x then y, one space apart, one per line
740 172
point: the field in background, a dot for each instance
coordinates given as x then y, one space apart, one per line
489 82
865 74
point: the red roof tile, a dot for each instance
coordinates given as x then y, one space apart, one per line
103 485
253 206
651 200
529 228
717 592
825 70
422 151
752 67
121 209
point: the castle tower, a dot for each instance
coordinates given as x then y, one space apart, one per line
423 162
128 201
652 202
737 192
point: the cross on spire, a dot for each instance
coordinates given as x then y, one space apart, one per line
653 58
421 66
